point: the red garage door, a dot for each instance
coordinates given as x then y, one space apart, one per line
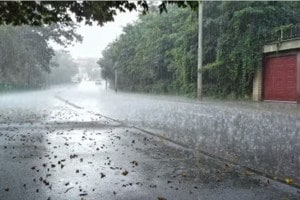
280 78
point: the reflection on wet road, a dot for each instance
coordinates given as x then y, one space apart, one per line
53 150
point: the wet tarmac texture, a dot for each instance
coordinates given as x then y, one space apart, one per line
66 153
261 135
51 149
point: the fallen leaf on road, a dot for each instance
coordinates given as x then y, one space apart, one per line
68 189
184 175
289 181
134 163
73 156
125 172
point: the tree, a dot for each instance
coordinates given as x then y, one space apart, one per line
154 56
63 68
245 27
49 12
26 54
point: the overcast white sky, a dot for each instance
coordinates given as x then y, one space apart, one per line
96 38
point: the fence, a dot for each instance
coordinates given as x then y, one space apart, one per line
284 33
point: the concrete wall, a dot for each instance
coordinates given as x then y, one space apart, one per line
257 85
282 46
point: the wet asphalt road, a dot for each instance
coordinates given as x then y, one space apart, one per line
51 149
262 135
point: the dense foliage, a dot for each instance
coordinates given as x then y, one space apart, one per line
244 28
158 53
26 55
49 12
147 54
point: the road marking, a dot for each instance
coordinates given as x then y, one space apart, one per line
67 102
197 114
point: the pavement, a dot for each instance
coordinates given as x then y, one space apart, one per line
52 147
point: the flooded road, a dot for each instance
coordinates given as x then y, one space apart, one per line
78 142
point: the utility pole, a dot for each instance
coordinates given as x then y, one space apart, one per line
199 79
116 80
105 84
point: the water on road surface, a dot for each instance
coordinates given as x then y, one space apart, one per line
77 142
263 136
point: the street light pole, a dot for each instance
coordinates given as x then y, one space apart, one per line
116 80
199 79
105 84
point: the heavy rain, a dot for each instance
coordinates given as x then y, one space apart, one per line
149 100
